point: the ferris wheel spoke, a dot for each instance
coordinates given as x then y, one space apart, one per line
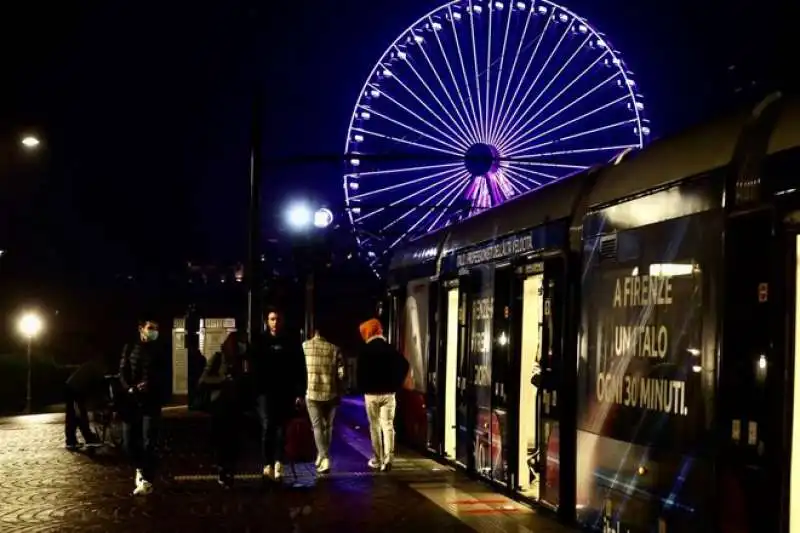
556 76
401 170
515 148
488 71
518 185
450 203
522 177
505 187
452 175
536 79
361 196
466 119
514 135
511 105
492 118
616 148
584 133
529 171
477 71
476 123
455 147
550 165
452 198
410 143
415 115
453 182
501 110
462 134
427 107
464 125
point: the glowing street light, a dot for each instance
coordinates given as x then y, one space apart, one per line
30 325
301 217
323 217
30 142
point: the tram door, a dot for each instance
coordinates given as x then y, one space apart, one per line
464 388
793 505
752 387
451 332
529 454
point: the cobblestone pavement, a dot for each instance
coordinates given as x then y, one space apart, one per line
43 488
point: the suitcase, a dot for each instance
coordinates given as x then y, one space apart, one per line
300 446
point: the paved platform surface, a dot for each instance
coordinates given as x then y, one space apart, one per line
45 488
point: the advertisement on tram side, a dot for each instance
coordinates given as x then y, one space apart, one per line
414 345
491 419
644 392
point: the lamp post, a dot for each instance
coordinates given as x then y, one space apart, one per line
30 325
302 218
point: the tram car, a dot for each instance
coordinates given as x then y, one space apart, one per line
619 347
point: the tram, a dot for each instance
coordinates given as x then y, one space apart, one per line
619 347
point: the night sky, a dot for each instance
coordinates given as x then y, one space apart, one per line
145 107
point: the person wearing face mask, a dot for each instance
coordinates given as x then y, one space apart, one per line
141 377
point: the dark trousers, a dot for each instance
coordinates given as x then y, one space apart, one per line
140 439
76 418
226 424
273 429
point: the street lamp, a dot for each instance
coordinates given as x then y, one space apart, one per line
30 325
30 142
301 217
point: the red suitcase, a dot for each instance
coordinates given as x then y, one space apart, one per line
300 446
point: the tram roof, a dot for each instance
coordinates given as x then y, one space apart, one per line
537 207
786 133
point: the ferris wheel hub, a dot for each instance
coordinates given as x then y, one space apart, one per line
482 159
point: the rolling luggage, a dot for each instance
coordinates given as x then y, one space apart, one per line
300 446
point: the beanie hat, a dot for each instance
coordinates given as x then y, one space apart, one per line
370 328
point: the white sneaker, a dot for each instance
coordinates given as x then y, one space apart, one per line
268 472
278 470
143 489
139 477
374 463
324 466
318 461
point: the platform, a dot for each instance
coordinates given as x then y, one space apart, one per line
45 488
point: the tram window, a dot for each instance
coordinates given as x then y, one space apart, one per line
781 174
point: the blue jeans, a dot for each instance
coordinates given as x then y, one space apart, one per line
322 415
140 438
273 429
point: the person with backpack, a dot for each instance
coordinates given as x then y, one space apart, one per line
142 378
221 384
381 371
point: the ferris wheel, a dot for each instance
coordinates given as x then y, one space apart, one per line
477 102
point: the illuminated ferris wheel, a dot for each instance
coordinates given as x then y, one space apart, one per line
475 103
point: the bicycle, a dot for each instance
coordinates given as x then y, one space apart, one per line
106 421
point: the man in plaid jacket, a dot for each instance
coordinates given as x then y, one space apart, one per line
325 367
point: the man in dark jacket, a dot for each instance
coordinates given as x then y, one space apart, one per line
381 371
141 377
82 385
222 378
279 379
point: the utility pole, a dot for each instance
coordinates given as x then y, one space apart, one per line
253 273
